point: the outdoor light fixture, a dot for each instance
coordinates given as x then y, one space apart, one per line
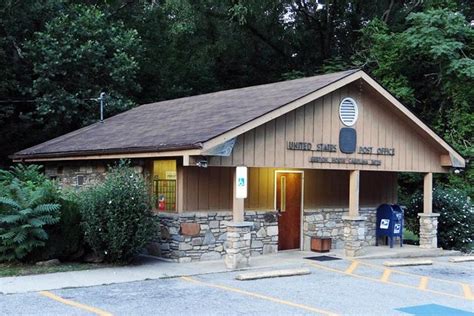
202 163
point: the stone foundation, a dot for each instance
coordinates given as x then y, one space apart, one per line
237 245
428 230
328 223
195 236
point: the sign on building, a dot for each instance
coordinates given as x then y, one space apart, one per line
241 182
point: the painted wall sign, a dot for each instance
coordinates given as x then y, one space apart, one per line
363 150
381 151
241 182
312 147
348 161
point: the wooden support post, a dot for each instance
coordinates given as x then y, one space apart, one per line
180 189
428 193
354 192
237 204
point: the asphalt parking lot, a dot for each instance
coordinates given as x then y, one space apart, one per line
339 287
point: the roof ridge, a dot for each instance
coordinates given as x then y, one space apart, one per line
350 71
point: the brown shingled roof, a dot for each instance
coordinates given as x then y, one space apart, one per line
183 123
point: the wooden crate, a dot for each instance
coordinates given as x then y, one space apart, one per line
320 244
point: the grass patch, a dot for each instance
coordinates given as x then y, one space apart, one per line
409 235
19 269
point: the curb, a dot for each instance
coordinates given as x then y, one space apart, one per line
461 259
271 274
408 263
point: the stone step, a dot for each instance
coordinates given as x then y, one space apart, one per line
271 274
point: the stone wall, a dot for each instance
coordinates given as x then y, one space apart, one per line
85 173
195 236
328 223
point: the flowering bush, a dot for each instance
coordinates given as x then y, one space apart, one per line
117 217
456 220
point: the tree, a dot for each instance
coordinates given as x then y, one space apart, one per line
20 20
429 66
79 54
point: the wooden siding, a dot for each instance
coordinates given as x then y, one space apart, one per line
330 188
207 188
211 188
378 125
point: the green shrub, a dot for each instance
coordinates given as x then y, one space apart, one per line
24 173
29 176
456 220
66 238
24 214
117 217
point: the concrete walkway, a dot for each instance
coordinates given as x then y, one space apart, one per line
152 268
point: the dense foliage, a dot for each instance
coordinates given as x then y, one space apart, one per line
117 217
37 220
429 66
58 55
66 238
456 220
24 213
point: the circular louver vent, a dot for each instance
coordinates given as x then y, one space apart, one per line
348 111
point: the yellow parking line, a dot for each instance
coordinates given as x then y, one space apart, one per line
387 282
261 296
407 273
386 275
75 304
467 291
352 267
423 283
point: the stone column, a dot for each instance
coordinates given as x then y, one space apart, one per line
428 219
238 245
428 230
354 235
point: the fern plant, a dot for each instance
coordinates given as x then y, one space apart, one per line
23 216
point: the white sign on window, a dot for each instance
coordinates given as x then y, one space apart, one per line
170 175
241 182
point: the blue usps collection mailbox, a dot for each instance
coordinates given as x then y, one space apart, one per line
389 223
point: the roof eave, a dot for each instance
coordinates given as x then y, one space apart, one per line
116 153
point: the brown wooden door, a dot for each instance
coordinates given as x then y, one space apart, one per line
288 198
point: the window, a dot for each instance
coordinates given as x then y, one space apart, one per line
164 184
283 194
80 180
